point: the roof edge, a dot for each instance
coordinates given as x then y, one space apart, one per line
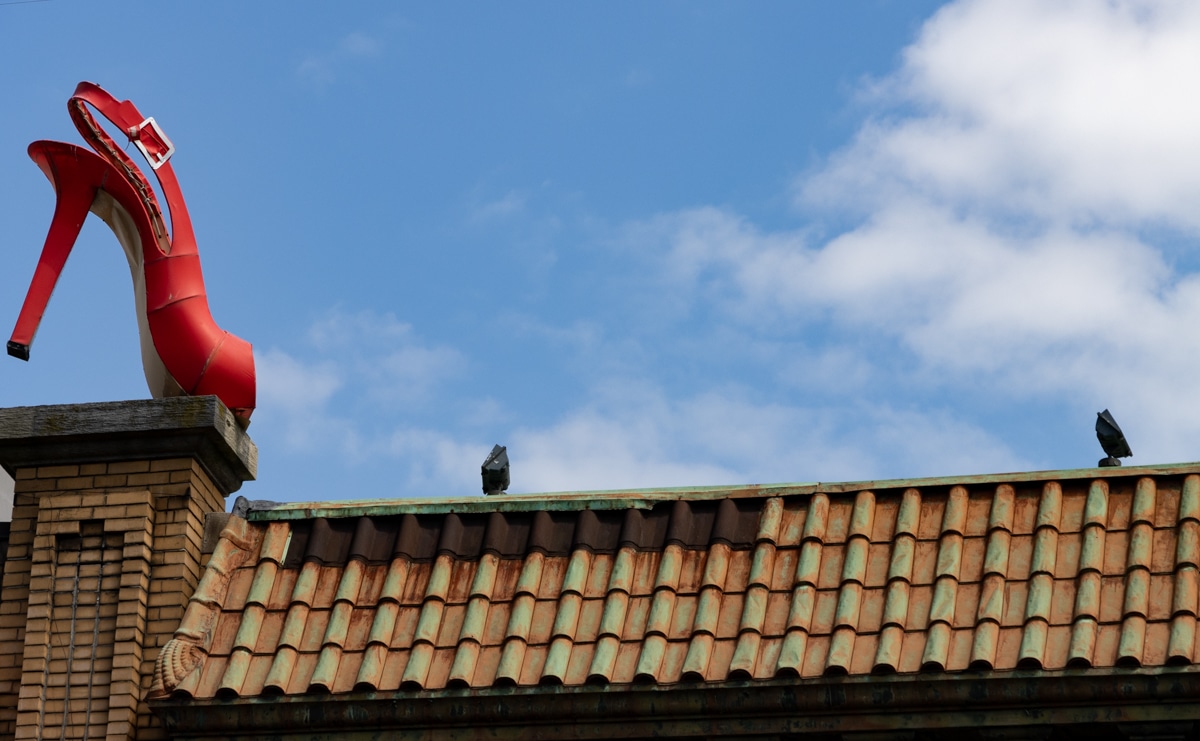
648 498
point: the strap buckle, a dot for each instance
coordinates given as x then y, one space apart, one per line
159 149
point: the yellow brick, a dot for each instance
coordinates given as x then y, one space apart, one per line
148 479
57 472
140 496
31 486
74 482
110 480
61 500
172 464
129 467
127 523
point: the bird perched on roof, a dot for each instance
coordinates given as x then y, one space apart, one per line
495 471
1111 439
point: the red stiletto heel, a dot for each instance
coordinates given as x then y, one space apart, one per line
76 175
183 349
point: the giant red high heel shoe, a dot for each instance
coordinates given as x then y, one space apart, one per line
183 349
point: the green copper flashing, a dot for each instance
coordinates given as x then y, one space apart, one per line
648 498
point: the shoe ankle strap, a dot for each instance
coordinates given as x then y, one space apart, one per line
147 135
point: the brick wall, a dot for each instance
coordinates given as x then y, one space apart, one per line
102 558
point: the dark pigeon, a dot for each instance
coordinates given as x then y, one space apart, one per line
495 471
1108 432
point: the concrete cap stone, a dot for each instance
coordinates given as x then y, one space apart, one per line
199 427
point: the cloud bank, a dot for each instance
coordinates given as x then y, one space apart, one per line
1014 224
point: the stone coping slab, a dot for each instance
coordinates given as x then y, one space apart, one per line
199 427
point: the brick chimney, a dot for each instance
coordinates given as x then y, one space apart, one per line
104 551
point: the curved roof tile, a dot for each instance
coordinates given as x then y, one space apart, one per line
1072 570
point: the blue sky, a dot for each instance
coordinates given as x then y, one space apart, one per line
663 244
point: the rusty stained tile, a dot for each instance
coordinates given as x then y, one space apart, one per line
924 566
912 649
878 561
973 551
1154 652
966 605
239 587
224 633
328 579
626 664
416 585
439 669
347 671
815 656
1073 500
979 510
929 522
837 522
373 578
596 585
920 600
783 572
730 616
645 571
554 568
718 665
792 521
301 673
393 670
361 619
462 575
1167 500
1112 599
1062 603
268 632
281 591
1020 556
508 571
768 657
531 668
256 676
1025 507
737 573
590 613
1015 596
1107 638
830 574
870 613
1066 561
884 526
1120 502
314 631
1058 641
450 626
541 621
691 571
1008 648
1162 554
1161 589
212 670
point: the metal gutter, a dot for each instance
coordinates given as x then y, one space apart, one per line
1011 705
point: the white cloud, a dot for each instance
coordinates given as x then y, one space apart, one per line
322 69
639 437
510 203
1003 192
1077 110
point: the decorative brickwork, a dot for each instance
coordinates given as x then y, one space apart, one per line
103 557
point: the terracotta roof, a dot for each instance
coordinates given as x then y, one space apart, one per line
1051 570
